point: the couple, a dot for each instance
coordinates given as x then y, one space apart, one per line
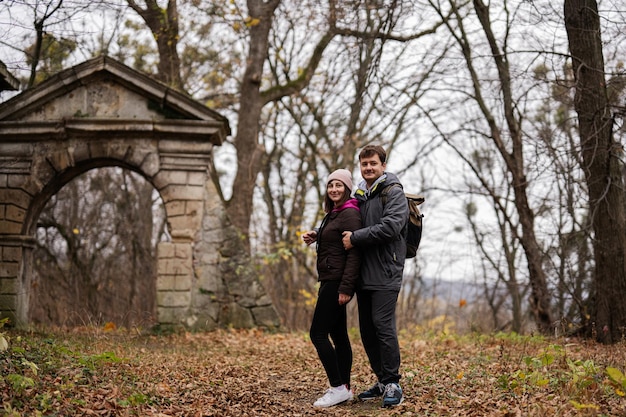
360 247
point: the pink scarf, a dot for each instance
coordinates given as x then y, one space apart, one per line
351 203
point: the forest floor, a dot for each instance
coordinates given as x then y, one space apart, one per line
116 372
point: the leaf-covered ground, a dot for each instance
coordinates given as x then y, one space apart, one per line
254 373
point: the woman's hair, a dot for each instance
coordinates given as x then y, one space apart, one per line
329 205
371 150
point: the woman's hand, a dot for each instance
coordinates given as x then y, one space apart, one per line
344 299
309 237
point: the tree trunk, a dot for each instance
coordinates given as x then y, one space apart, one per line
164 27
602 170
249 152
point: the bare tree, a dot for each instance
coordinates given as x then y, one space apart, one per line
602 168
40 22
504 132
568 257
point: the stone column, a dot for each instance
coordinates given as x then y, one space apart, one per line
174 282
15 265
15 248
180 181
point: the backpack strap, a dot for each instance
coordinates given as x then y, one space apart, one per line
385 191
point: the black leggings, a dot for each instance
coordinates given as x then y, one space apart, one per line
329 319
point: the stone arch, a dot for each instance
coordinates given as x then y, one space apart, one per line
115 279
57 182
102 113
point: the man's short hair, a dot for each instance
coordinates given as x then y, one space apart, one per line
371 150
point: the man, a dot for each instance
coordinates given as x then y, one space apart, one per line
384 213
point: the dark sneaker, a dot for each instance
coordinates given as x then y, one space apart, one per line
393 395
372 393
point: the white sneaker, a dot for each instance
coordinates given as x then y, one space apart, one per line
334 396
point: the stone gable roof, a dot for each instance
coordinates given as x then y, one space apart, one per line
7 80
103 91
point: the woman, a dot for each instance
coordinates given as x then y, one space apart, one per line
337 270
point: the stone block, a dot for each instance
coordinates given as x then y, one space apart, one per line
266 317
234 315
151 165
194 209
79 150
174 266
169 315
8 286
264 300
8 269
182 251
182 192
60 159
19 198
174 283
8 302
17 149
139 153
207 304
174 250
166 250
10 254
15 214
108 149
175 208
42 172
173 298
10 228
186 147
32 185
18 181
196 178
184 236
208 280
201 322
166 177
117 149
208 257
190 223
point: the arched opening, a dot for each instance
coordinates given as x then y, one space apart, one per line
95 253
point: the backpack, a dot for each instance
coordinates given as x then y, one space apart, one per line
414 225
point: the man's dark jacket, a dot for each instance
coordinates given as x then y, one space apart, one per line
381 240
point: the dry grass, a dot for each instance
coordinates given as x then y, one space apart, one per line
252 373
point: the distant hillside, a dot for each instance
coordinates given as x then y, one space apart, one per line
450 291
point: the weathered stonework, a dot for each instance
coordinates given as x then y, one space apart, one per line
102 113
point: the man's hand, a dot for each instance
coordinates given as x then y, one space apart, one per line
347 244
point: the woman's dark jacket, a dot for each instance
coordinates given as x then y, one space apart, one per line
382 240
333 261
